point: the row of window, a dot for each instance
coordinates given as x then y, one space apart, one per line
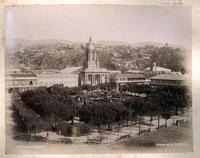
49 83
129 79
20 83
43 83
167 82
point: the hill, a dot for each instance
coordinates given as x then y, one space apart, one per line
115 55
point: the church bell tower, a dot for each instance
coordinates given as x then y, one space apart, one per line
91 57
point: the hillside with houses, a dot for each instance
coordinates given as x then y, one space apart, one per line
113 55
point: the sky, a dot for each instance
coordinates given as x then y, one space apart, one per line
116 23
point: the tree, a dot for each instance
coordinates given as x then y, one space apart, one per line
52 104
154 110
166 115
31 120
103 113
171 57
86 87
138 108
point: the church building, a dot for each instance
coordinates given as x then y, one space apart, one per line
91 73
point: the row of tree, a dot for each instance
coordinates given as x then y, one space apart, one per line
55 104
101 86
103 113
162 102
136 88
29 120
52 104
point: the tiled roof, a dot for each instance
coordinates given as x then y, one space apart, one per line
168 77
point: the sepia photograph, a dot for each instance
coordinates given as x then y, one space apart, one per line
98 79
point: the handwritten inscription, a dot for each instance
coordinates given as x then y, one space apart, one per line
172 2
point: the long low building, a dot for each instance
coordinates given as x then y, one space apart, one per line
19 82
122 78
65 79
16 82
20 79
168 79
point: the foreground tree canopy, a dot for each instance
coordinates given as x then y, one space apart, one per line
44 107
52 103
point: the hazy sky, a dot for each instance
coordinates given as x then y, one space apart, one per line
119 23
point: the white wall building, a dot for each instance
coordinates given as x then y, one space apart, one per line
49 79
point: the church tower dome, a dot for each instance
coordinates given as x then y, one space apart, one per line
90 45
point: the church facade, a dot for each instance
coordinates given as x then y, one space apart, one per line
91 73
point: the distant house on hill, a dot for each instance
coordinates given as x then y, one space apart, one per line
156 70
135 72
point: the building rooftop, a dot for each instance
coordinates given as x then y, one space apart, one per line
169 77
46 71
14 70
135 71
114 71
95 70
157 68
130 75
16 75
55 74
75 70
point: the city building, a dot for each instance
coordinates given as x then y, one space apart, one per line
19 82
122 78
91 73
156 70
50 78
168 79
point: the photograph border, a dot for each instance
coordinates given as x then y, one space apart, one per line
195 71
